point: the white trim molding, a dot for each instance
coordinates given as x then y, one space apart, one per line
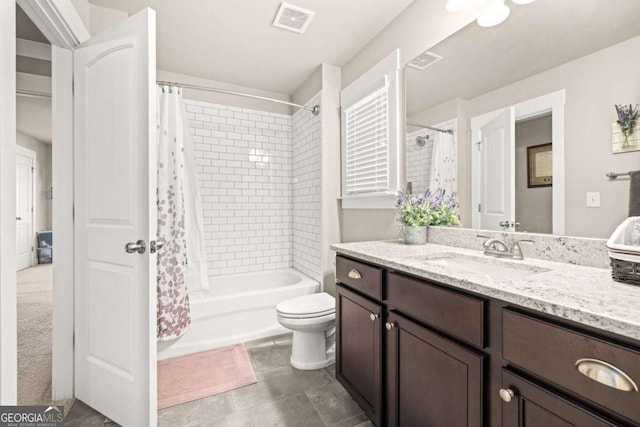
58 20
8 319
31 49
62 206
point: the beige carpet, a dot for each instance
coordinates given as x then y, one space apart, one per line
197 375
34 297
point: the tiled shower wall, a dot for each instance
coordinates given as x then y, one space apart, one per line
419 160
307 202
244 162
259 176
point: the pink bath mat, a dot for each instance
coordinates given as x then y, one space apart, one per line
194 376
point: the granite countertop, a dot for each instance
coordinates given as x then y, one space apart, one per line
586 295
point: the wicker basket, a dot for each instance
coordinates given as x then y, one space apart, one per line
624 252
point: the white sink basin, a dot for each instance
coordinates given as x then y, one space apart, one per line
485 266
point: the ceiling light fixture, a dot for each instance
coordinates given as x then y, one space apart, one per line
495 15
523 1
457 5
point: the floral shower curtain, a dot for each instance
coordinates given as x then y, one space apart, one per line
173 300
443 163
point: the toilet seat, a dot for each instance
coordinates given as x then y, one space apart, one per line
307 306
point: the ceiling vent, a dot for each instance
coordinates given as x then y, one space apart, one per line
293 18
424 60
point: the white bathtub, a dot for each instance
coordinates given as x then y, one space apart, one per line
237 308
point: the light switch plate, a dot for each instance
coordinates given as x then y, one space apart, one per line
593 200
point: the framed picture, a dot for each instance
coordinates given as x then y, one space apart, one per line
540 166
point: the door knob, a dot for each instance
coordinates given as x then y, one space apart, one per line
507 394
138 247
390 325
503 223
373 317
18 218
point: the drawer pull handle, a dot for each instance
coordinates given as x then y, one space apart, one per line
605 373
507 394
355 274
373 316
390 325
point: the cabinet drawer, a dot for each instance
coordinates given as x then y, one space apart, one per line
554 353
360 276
455 313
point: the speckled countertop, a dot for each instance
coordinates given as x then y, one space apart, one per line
585 295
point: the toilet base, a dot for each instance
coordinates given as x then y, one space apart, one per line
311 350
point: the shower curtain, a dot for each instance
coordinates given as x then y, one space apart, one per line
443 164
180 232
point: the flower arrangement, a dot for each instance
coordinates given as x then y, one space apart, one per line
627 118
427 208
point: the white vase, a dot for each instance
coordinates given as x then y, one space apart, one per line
415 235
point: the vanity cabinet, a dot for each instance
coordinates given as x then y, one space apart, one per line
359 350
413 352
431 381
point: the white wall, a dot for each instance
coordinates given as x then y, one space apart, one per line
42 179
534 208
244 165
307 192
423 24
101 18
230 100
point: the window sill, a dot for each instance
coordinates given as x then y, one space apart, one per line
370 201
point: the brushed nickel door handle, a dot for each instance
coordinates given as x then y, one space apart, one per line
506 394
605 373
390 325
355 274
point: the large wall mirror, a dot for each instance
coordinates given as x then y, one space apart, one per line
517 118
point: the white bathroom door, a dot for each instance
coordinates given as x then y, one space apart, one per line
497 172
25 237
114 192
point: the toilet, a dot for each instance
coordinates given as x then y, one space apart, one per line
312 318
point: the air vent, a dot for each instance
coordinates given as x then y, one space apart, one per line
293 18
424 60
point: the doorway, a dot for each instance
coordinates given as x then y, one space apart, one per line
34 185
534 199
499 126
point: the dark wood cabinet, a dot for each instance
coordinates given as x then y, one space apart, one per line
359 350
431 381
527 404
414 352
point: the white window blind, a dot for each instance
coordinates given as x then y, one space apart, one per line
367 144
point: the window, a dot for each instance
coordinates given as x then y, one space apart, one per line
367 144
370 137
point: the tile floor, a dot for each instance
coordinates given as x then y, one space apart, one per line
283 396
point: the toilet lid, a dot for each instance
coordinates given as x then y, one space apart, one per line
313 305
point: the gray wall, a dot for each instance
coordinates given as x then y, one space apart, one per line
534 206
42 179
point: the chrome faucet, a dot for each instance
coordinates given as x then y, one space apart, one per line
499 248
495 247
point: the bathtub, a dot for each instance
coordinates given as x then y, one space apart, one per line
237 308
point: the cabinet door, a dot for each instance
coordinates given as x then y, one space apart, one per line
527 404
359 350
431 381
